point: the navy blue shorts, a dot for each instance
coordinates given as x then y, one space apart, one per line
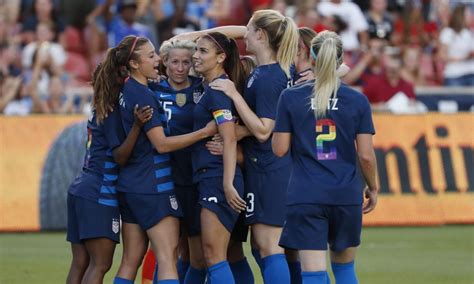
211 197
188 197
87 219
314 226
147 210
265 194
240 231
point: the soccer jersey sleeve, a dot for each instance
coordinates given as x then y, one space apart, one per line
221 107
366 124
283 119
113 129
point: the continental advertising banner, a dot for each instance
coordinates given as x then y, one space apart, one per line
425 169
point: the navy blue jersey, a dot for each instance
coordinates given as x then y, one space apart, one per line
97 181
323 150
262 90
178 106
212 105
146 171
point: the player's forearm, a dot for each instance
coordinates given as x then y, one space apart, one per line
253 123
173 143
230 160
122 153
368 164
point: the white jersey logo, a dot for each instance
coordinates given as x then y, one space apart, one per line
173 202
115 226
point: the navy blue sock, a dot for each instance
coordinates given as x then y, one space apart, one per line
258 259
295 272
242 272
118 280
276 269
344 272
195 276
182 267
318 277
220 273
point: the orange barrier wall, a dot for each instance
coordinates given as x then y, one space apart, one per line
426 168
24 144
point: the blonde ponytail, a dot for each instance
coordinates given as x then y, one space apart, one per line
326 50
282 35
288 46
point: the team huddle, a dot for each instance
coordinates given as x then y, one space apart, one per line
192 153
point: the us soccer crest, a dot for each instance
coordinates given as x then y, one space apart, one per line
180 99
115 226
173 202
197 95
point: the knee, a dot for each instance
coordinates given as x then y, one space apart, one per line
80 262
167 255
102 266
212 255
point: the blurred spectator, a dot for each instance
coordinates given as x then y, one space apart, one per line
175 22
54 100
12 102
457 50
279 5
44 12
382 88
418 67
197 12
124 23
369 65
412 29
44 34
355 35
379 20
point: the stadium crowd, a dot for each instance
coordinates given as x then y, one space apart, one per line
49 48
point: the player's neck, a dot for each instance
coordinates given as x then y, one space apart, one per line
179 86
265 57
213 74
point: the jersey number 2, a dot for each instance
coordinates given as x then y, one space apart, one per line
325 137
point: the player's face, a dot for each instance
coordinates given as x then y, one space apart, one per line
178 64
148 61
251 37
206 58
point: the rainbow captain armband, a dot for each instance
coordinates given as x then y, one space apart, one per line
223 116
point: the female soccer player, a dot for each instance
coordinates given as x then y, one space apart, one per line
93 214
273 39
148 204
320 121
219 178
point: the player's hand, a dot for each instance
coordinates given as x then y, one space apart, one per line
371 202
210 129
233 198
226 86
305 76
216 145
142 115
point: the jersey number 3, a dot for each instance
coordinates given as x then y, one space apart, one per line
325 137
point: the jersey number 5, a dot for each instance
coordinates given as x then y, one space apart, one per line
168 110
325 137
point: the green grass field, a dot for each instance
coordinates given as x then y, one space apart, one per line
387 255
